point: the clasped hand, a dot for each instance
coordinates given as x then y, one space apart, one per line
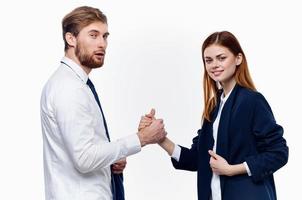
151 130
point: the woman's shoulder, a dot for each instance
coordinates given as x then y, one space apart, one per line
251 96
249 93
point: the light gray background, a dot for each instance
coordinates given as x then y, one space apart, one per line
153 61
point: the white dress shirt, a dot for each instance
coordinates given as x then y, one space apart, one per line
215 182
77 153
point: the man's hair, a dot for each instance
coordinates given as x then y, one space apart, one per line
79 18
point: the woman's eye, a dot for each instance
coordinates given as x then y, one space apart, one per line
208 61
222 58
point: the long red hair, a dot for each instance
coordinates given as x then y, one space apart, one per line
242 75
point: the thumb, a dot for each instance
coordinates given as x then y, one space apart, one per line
213 154
151 114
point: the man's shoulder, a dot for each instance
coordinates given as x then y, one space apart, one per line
64 78
63 83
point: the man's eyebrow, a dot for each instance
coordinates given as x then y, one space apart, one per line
93 31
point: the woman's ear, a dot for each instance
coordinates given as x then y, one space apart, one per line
239 59
70 39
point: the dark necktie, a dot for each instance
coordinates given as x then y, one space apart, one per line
116 179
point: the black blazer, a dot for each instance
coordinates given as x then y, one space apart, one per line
247 133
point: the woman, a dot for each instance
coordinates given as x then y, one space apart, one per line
239 145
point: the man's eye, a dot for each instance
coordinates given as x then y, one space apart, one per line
93 35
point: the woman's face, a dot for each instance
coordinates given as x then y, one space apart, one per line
221 63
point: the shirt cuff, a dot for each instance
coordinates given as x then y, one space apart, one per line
247 169
130 145
176 153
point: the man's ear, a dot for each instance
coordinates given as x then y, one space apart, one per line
239 59
70 39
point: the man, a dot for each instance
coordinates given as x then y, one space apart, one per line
80 162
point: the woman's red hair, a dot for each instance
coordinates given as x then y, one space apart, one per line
242 75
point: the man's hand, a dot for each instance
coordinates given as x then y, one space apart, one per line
146 120
119 166
152 134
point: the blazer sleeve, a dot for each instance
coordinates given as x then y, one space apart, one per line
271 146
188 159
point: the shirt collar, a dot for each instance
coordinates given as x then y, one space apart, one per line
75 68
225 98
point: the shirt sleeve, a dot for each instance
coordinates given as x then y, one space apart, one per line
176 152
247 169
130 145
81 135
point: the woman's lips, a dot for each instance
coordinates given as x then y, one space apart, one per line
217 73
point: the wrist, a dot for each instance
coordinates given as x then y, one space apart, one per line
142 139
231 170
162 142
167 145
236 169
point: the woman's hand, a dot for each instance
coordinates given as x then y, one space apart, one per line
221 167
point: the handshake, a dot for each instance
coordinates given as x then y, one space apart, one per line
151 130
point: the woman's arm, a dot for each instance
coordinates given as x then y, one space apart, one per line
221 167
167 145
271 146
187 159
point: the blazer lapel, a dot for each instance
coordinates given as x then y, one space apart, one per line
215 111
223 129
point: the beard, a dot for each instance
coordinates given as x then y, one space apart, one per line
87 59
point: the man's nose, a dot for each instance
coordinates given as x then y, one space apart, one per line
102 43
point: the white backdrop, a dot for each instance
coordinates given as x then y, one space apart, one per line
153 61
